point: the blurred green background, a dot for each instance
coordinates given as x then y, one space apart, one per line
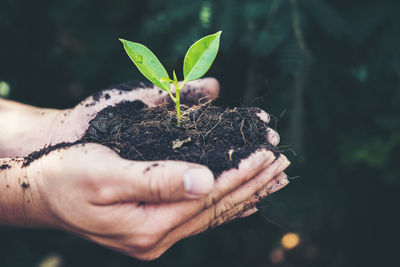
328 70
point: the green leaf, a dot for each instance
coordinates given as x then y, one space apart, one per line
200 56
147 63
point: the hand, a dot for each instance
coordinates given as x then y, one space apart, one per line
142 208
139 208
74 123
31 128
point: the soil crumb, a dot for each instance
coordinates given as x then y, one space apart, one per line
4 167
25 185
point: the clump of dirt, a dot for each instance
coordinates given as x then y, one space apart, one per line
209 135
216 137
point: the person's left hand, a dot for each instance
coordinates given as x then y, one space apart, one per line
32 128
78 118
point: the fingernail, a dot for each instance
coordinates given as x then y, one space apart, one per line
281 183
249 212
273 137
198 181
284 181
264 116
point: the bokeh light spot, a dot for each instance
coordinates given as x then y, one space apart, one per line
205 14
4 89
51 261
290 240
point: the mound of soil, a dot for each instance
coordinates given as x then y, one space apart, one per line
208 135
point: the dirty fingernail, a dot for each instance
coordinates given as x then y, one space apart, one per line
264 116
198 181
273 137
249 212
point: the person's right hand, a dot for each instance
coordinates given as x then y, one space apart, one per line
142 208
139 208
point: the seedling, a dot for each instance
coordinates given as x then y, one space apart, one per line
197 62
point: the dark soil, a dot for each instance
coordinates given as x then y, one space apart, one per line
209 135
4 166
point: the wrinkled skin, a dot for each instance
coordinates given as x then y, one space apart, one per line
138 208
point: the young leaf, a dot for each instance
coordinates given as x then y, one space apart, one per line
147 63
200 56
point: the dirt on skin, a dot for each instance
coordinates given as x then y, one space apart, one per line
208 135
4 166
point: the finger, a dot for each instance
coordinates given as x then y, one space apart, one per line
273 137
251 187
232 215
226 183
248 207
237 201
275 185
264 116
199 90
230 180
118 180
148 93
156 181
202 222
245 208
130 91
242 209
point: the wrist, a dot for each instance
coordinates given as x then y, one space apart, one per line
25 128
20 203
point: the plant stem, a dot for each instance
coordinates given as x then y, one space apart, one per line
178 105
177 100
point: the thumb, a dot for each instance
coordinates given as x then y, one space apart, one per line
196 91
162 181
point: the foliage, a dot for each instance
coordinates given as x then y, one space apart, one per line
198 60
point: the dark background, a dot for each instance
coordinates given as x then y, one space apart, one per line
328 70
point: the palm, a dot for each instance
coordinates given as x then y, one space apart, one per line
75 122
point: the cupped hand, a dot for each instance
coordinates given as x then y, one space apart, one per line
31 128
71 124
142 208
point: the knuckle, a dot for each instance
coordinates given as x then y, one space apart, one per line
155 186
100 193
210 201
224 206
211 220
105 194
